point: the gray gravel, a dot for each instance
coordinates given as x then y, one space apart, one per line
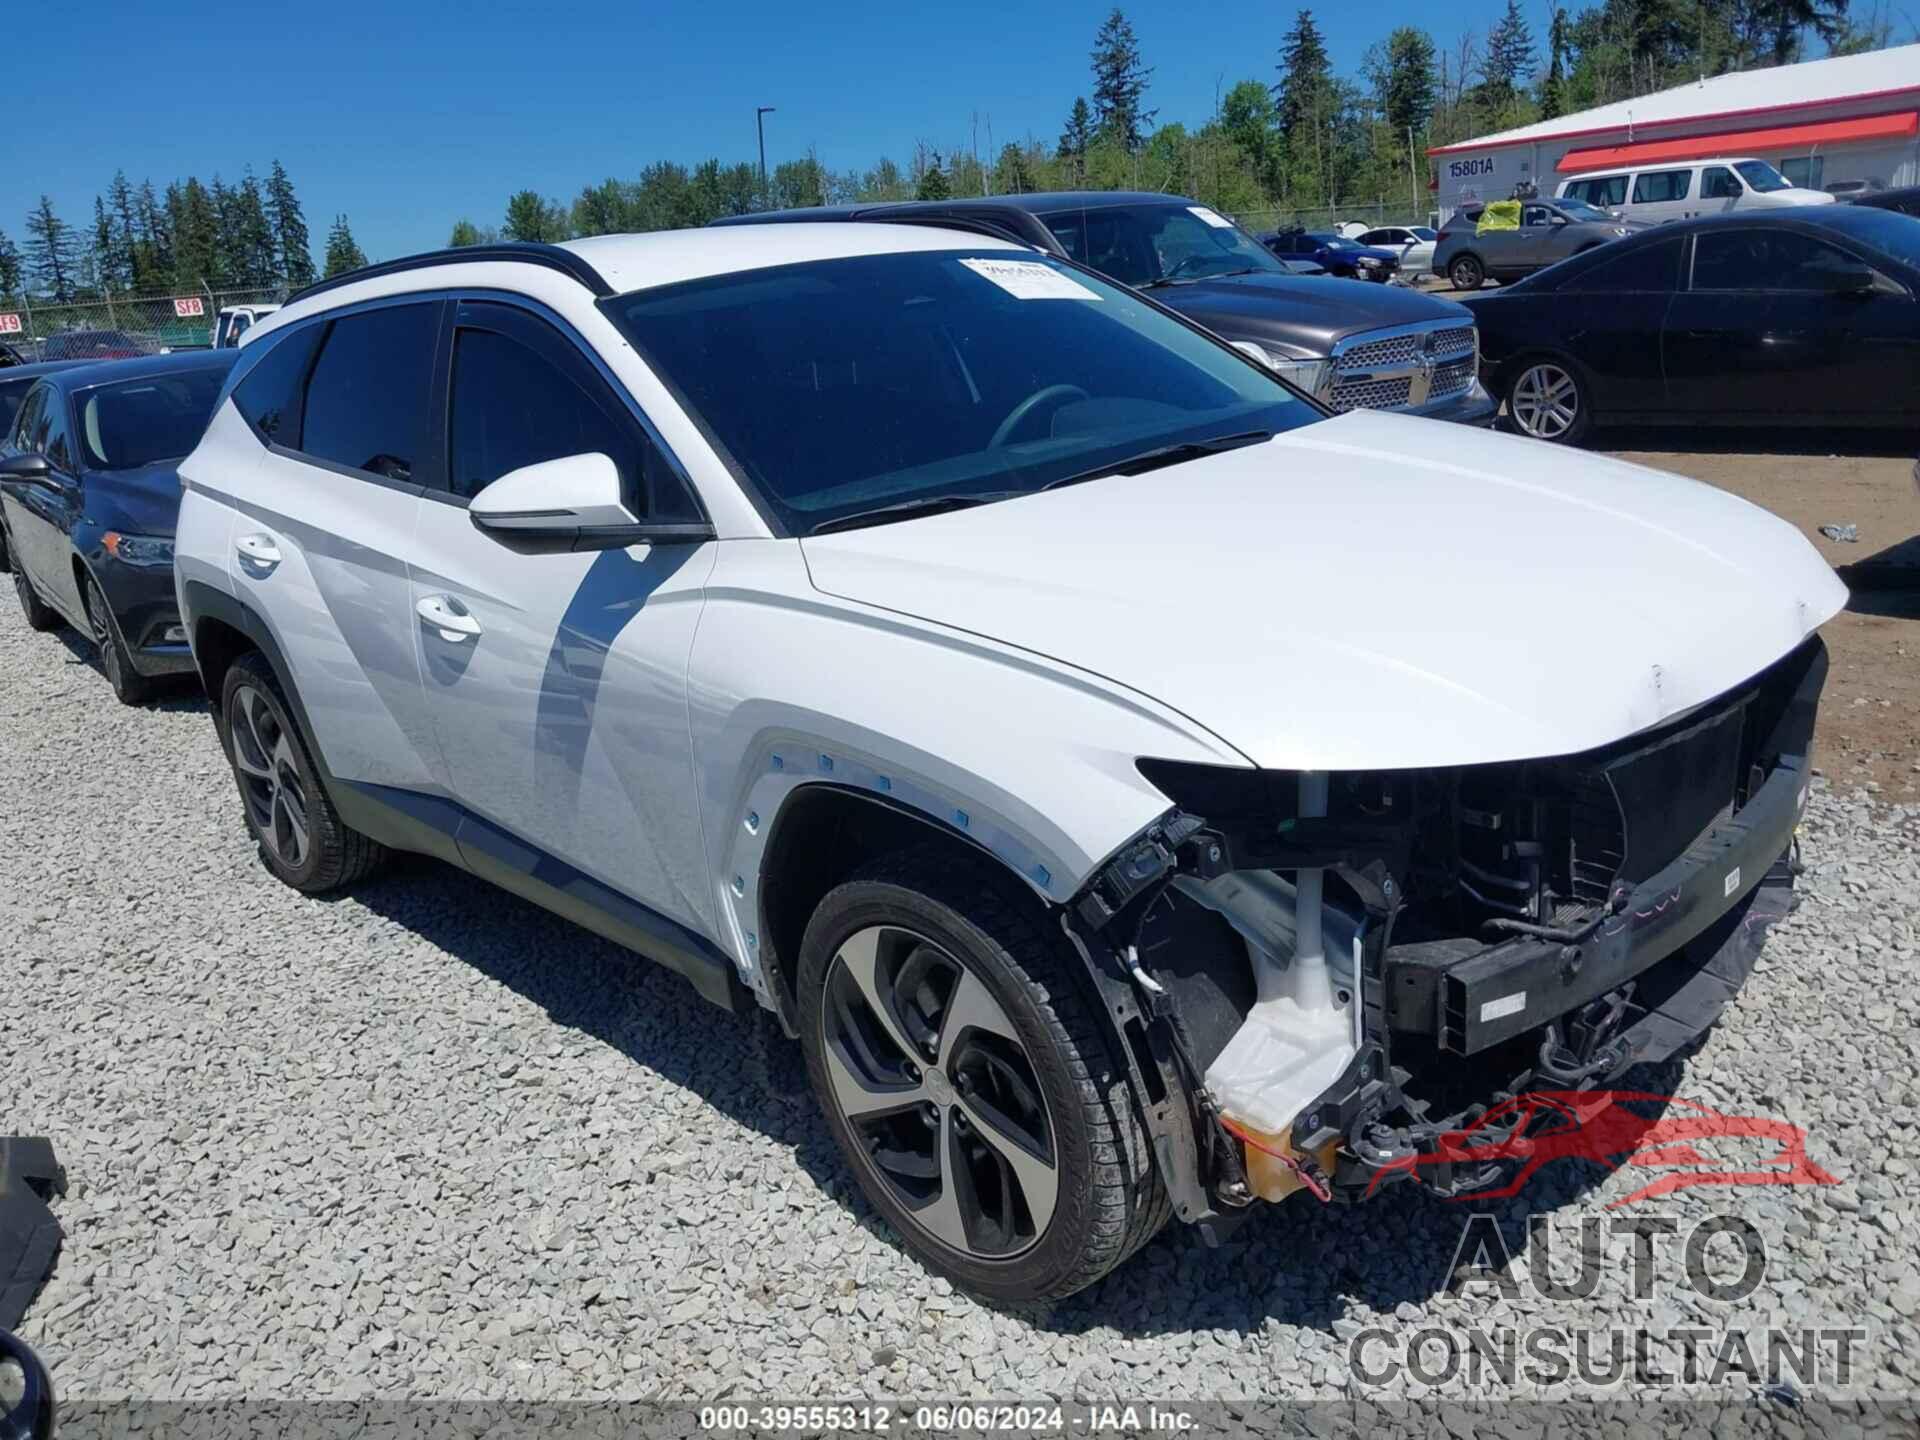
429 1141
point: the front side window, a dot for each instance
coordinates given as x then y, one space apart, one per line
1602 190
143 422
1576 210
1159 244
1767 260
1658 186
836 387
1536 215
36 413
514 407
1719 183
367 401
1761 176
55 443
19 403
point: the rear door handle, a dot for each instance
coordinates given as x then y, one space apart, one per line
258 551
440 612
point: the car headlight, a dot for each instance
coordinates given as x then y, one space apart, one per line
1311 375
146 551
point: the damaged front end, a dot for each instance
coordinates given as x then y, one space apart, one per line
1317 977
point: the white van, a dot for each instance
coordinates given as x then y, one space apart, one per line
1680 191
234 321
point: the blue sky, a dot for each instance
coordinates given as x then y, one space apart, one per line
409 114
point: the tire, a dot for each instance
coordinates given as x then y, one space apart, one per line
935 939
130 687
300 836
1550 400
1466 272
40 615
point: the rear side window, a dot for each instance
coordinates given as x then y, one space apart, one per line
366 404
270 396
1644 269
1657 186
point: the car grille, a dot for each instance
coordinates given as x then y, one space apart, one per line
1385 372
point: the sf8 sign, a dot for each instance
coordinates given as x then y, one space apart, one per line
188 308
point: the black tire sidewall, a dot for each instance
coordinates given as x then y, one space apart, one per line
251 671
129 685
860 904
39 614
1477 272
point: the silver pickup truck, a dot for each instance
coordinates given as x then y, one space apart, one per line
1550 230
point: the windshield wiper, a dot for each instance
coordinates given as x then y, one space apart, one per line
1165 455
909 509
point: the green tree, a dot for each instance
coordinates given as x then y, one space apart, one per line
933 182
1405 82
256 257
531 218
342 253
11 272
293 246
798 183
51 260
152 241
1305 102
1120 84
1011 173
1553 96
465 233
1246 121
1511 60
109 269
1077 138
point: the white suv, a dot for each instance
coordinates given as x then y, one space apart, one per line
1136 788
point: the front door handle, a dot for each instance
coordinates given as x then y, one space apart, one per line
448 616
258 551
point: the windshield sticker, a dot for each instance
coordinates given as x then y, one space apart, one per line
1030 280
1212 218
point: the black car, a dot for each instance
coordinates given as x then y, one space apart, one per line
1906 199
1351 346
88 499
1335 254
1808 316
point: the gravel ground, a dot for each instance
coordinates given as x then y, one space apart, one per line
428 1141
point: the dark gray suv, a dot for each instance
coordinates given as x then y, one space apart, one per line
1550 231
1351 345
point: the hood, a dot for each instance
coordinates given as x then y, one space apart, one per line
1793 195
145 501
1311 311
1372 591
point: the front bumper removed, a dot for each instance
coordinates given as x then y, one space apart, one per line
1447 1029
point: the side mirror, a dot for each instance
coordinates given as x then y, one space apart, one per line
1849 280
29 468
1558 220
573 503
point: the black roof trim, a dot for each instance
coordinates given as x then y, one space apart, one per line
553 257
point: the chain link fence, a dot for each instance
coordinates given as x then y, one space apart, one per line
116 326
1370 213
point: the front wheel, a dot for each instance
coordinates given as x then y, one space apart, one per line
1467 273
40 615
1549 402
130 687
968 1083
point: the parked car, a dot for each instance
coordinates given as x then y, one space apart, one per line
1414 244
94 345
1549 231
979 667
15 381
88 495
234 321
1381 348
1686 189
1335 253
1906 200
1789 317
1853 189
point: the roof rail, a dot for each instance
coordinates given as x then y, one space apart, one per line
974 224
524 252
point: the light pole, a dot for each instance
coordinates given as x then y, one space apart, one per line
760 124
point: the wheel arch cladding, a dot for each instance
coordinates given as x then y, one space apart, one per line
821 836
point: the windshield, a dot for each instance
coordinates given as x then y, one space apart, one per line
1425 233
837 387
1580 210
142 422
1154 244
1887 231
1761 176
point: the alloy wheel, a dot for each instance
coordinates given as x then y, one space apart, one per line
940 1093
276 794
1545 402
103 635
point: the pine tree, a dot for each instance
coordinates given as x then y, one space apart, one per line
531 218
253 232
50 252
126 244
292 244
342 254
103 250
1510 55
1553 89
153 241
228 257
465 232
1407 91
10 269
1305 103
933 182
1120 84
194 223
1010 173
1078 135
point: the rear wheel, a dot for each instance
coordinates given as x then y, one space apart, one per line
130 687
1467 273
1549 402
40 615
968 1083
302 838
